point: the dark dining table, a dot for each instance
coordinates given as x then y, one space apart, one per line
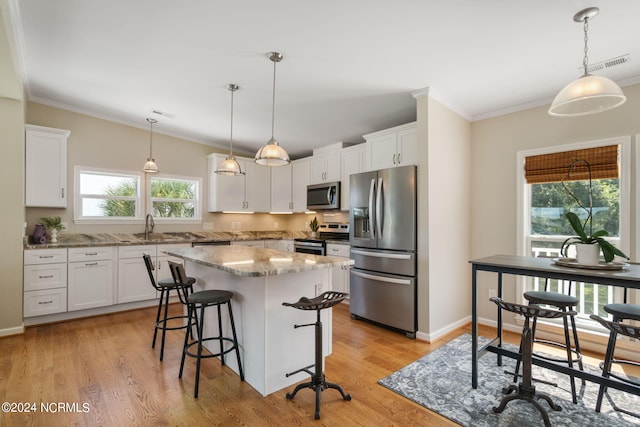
627 277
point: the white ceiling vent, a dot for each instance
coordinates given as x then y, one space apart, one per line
608 63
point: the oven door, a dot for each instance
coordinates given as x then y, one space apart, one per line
314 248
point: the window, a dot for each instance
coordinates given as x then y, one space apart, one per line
543 202
105 195
175 198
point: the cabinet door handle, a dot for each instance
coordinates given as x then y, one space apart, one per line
90 264
398 158
45 256
91 253
62 193
394 159
45 302
46 277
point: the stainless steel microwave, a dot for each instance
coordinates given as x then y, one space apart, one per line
323 196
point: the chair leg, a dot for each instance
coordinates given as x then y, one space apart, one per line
200 331
567 341
518 362
220 340
187 334
606 368
164 322
235 341
155 328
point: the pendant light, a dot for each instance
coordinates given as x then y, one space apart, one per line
150 166
589 94
230 166
272 154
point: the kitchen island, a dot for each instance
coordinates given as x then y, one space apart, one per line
261 280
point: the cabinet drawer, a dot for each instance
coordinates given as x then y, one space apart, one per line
38 303
46 276
136 251
44 256
252 243
338 250
91 254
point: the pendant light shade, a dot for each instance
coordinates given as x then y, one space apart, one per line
272 154
150 166
230 166
589 94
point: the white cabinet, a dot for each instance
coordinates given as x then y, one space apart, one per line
252 243
245 193
133 279
300 181
393 147
353 161
325 168
45 281
339 275
46 167
281 189
284 245
90 277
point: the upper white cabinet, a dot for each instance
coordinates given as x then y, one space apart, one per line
393 147
353 161
246 193
282 189
46 167
300 180
289 187
325 168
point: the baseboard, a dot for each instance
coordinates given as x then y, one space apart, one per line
12 331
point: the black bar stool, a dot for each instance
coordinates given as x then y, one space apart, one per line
565 303
525 390
619 312
201 300
318 384
165 286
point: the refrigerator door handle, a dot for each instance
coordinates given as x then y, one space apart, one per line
381 278
372 220
381 254
379 209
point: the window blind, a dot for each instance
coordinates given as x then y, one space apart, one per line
553 167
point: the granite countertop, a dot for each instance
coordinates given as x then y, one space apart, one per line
255 262
71 240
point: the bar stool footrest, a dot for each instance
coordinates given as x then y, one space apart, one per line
203 356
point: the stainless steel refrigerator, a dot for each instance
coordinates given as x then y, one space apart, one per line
383 238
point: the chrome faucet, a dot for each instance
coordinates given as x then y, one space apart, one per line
148 226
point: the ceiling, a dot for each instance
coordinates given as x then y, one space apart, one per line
349 67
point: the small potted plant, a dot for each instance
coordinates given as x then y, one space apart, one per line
53 224
313 224
587 242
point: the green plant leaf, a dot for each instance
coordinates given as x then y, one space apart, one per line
576 224
610 251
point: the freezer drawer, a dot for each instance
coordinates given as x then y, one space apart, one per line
384 298
392 262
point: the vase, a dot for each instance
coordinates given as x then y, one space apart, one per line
314 234
54 235
588 253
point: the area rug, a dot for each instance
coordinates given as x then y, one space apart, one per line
441 382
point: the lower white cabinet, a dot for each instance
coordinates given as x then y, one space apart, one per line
281 245
252 243
45 282
162 263
339 275
133 279
90 281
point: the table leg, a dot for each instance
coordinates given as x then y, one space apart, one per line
474 327
499 360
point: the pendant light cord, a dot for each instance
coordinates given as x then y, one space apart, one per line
273 102
151 122
231 137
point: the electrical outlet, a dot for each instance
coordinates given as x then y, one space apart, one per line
239 225
275 225
207 225
233 225
493 293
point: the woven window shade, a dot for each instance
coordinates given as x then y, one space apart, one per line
554 167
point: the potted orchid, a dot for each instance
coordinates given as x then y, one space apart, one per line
588 243
53 224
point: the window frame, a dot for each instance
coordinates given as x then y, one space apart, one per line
197 215
524 196
78 218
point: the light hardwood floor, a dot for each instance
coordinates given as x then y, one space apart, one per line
108 364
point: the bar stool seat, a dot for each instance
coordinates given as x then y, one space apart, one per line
165 286
318 383
619 312
200 300
564 303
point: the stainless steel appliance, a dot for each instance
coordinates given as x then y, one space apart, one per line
383 238
323 196
318 245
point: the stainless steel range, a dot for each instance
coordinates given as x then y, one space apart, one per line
318 245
